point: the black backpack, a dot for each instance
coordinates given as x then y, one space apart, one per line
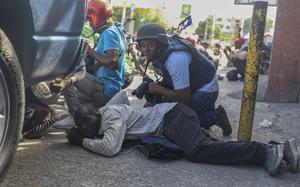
160 148
232 75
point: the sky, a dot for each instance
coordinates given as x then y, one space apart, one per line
200 8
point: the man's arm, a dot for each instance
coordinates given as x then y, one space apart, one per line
111 47
228 56
110 60
241 55
77 74
112 140
120 98
179 95
178 68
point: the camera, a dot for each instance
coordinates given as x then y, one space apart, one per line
142 89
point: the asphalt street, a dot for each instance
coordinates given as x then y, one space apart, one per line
51 161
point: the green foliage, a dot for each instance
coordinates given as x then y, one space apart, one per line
145 15
269 25
247 25
117 13
227 37
89 35
200 30
218 34
141 16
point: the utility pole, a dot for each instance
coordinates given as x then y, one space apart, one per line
252 70
213 27
206 29
124 11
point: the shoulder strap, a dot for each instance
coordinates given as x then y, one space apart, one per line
174 45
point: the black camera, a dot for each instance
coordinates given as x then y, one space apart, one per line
142 89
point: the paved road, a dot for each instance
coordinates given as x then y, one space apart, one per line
51 161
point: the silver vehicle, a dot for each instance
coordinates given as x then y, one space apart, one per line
39 40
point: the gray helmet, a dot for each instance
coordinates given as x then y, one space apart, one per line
152 31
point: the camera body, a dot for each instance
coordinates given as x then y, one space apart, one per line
142 89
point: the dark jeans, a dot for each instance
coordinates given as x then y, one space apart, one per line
181 126
204 105
88 90
240 65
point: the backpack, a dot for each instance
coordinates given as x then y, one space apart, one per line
232 75
160 148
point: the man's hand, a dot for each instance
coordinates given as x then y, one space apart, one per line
153 88
90 52
59 84
74 137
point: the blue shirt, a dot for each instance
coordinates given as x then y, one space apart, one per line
178 67
112 38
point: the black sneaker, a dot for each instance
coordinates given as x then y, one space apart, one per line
274 157
291 155
222 120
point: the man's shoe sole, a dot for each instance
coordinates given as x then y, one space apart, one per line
291 147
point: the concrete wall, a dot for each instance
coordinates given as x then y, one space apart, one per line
284 75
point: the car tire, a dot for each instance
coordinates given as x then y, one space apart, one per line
12 102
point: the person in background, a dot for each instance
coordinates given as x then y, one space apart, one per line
238 56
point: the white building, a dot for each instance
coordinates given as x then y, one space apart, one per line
228 25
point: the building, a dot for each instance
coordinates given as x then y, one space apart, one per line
228 25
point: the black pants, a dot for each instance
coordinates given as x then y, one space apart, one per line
240 65
181 126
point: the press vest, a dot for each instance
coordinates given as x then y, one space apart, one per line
201 70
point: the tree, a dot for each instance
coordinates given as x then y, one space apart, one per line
200 30
218 34
117 13
145 15
269 25
247 25
141 16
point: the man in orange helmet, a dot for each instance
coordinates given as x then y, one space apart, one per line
108 64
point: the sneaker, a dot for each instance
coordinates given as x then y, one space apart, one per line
222 120
274 157
291 155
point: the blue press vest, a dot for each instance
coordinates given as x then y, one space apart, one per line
201 70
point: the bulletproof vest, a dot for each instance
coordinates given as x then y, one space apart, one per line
201 70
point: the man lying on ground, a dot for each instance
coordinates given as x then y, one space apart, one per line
103 131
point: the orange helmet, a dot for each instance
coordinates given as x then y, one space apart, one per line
97 12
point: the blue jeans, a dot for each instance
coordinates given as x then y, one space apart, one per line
204 106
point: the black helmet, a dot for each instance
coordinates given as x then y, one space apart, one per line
152 31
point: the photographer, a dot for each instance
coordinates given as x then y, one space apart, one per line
103 131
188 76
239 56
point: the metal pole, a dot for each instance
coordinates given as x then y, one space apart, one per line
124 12
252 70
205 31
213 28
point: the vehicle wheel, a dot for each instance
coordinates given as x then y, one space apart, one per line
12 102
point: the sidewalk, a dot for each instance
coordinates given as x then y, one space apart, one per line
51 161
